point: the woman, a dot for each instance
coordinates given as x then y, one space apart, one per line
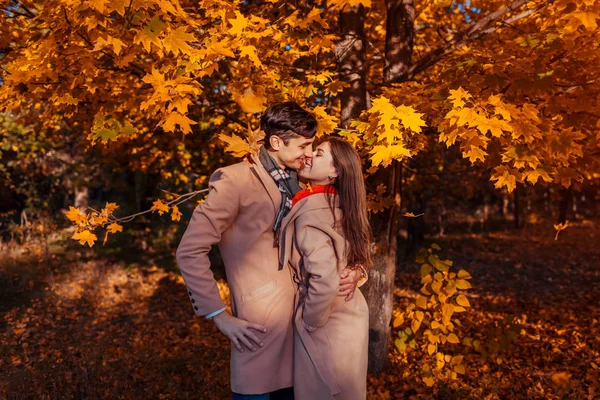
326 230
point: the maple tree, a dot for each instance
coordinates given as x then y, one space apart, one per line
510 87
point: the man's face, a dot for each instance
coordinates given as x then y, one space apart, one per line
295 152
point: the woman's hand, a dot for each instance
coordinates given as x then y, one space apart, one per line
239 331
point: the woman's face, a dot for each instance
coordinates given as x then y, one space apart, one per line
319 169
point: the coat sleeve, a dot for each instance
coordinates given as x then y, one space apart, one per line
209 220
320 262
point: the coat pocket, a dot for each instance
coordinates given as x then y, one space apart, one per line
260 291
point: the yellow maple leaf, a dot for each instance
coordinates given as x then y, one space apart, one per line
335 86
66 99
505 177
109 208
325 122
313 16
175 214
155 78
149 35
168 6
114 228
449 138
176 118
494 125
588 19
248 101
386 154
250 52
85 237
410 119
320 77
531 111
460 369
561 378
159 206
221 49
98 220
255 138
118 6
176 41
386 111
99 5
458 96
117 44
235 145
180 104
560 227
475 153
495 99
466 116
238 24
411 215
429 381
534 175
76 215
352 137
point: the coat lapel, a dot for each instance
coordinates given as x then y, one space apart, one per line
267 181
313 202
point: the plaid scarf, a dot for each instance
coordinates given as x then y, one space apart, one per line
287 182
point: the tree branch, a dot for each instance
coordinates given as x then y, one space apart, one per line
473 33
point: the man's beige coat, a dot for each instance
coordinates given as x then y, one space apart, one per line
330 335
239 214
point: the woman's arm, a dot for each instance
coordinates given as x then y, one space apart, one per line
320 262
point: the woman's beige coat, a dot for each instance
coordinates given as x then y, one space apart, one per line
239 214
330 335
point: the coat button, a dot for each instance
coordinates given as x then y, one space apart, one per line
193 301
196 308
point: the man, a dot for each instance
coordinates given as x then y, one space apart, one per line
243 213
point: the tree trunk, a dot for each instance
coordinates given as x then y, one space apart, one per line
82 196
379 289
399 39
351 54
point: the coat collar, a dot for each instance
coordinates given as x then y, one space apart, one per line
266 180
314 202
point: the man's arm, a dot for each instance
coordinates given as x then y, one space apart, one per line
209 220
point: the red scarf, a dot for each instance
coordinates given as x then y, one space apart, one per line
310 190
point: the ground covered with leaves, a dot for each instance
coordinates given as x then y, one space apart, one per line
76 323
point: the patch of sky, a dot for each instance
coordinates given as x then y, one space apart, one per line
465 9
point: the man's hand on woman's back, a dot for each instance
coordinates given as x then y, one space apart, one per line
349 279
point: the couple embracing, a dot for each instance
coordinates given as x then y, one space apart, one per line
293 257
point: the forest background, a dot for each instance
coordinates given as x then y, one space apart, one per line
478 125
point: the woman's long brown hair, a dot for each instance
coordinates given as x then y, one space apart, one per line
350 188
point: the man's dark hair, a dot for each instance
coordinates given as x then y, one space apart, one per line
287 120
